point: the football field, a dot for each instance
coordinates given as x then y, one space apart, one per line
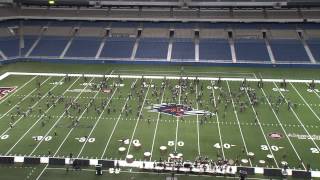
242 117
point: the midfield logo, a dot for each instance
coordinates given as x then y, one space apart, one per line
177 110
6 90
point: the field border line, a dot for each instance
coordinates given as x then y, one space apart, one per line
165 77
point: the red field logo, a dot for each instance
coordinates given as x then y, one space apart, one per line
275 135
6 90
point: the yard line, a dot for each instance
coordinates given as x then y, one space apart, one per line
45 95
115 126
299 120
305 101
25 97
158 118
236 114
138 119
283 129
177 126
315 92
36 122
96 123
60 119
255 113
198 133
11 94
217 120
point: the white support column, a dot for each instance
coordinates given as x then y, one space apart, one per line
169 51
34 45
3 56
273 61
196 50
233 51
134 50
66 48
309 53
103 42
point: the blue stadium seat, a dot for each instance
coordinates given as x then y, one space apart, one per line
84 47
288 50
28 42
50 46
153 48
251 50
118 47
214 49
314 45
183 49
9 46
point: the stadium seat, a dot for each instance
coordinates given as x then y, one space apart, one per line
183 49
153 48
314 45
214 49
50 46
288 50
118 47
84 47
9 46
28 42
257 50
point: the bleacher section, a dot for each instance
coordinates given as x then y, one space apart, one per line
314 45
50 46
120 47
183 49
251 50
288 50
84 47
214 50
122 41
152 48
28 41
9 46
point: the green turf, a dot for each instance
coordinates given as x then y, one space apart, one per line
237 132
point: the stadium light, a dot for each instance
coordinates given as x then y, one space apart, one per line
51 2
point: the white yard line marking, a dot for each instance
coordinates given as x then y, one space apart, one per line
138 119
35 123
59 120
116 124
11 94
35 104
198 133
158 118
262 131
315 114
164 77
177 120
96 123
25 97
283 129
217 120
236 114
297 117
